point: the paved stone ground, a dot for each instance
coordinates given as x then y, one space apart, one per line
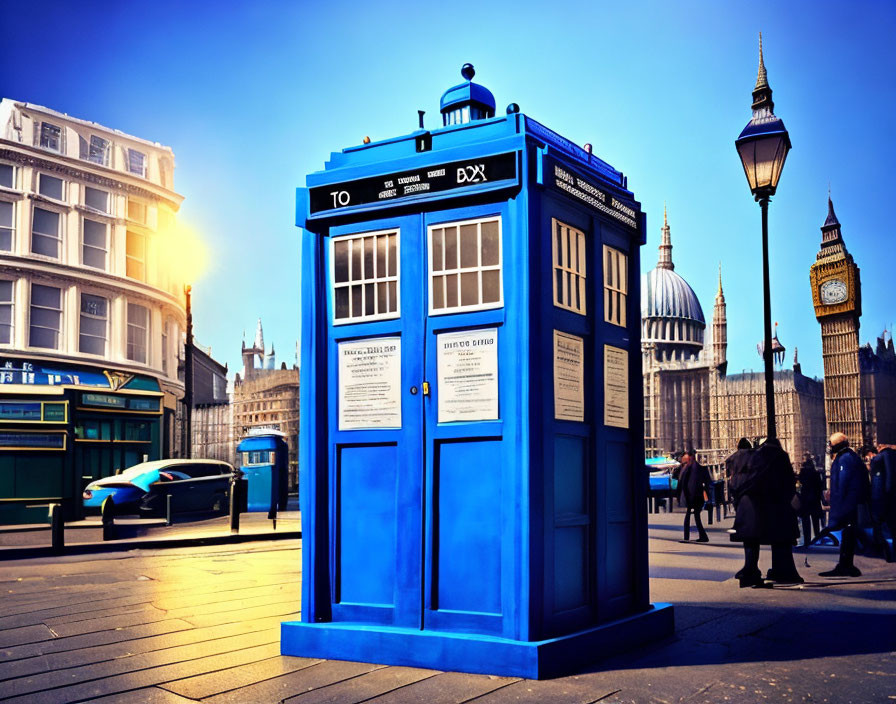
201 624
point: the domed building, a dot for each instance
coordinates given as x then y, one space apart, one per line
672 321
676 375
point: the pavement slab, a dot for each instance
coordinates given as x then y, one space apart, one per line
365 687
280 689
235 678
444 688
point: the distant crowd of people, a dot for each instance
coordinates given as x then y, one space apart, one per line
769 506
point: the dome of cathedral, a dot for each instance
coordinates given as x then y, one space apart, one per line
665 294
672 320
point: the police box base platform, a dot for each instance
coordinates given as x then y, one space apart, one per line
474 653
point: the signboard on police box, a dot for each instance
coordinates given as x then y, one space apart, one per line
438 178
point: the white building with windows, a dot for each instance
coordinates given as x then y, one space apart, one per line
86 241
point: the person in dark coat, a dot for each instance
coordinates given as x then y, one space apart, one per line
883 499
763 487
693 484
811 489
736 472
850 487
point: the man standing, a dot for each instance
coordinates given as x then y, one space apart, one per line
850 487
693 484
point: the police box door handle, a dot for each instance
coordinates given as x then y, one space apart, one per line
426 388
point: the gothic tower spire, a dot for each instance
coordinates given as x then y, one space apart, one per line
665 260
720 329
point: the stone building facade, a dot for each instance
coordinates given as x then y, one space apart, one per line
265 396
91 310
212 417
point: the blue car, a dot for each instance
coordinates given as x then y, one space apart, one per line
138 488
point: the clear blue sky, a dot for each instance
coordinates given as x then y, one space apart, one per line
252 96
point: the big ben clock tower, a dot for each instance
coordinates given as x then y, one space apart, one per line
837 296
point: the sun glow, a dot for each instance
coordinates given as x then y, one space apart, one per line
183 255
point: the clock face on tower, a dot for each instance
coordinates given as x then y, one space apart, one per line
833 291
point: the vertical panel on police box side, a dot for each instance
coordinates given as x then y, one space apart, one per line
467 526
620 528
367 524
571 523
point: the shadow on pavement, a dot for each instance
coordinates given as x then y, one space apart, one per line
713 636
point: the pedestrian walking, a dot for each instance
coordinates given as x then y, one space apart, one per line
883 500
763 486
693 484
850 487
811 489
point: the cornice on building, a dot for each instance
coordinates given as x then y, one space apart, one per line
96 174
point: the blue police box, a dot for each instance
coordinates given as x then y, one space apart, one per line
472 494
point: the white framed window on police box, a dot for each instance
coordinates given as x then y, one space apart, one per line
465 262
569 256
365 276
615 285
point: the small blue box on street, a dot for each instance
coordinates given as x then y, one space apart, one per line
472 486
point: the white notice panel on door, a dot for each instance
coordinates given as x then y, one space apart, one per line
370 384
615 387
468 375
569 377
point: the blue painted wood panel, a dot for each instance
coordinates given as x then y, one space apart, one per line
467 503
367 524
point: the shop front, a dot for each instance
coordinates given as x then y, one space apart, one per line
62 427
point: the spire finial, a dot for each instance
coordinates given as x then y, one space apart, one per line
665 260
720 279
831 220
762 93
761 76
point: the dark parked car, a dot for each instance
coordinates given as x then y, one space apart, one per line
193 485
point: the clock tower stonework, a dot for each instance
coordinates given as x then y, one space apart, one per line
837 297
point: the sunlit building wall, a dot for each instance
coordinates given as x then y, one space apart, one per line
87 234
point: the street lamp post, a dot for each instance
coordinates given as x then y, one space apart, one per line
763 146
188 377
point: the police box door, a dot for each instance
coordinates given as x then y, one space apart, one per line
375 420
467 517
